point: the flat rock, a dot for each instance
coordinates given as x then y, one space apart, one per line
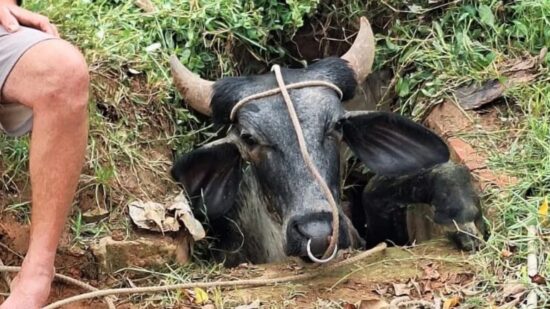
152 252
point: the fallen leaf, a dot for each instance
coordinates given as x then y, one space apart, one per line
474 96
538 279
543 211
349 306
146 5
512 289
451 302
381 290
201 296
510 305
506 254
150 216
401 289
373 304
416 286
431 272
95 214
254 305
154 216
183 211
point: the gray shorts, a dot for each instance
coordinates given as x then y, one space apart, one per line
16 119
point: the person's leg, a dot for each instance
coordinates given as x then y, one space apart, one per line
52 79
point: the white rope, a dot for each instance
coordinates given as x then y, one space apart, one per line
275 91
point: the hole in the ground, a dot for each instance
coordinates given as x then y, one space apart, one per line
108 111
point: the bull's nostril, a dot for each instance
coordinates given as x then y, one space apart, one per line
317 245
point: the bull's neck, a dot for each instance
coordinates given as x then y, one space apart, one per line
263 234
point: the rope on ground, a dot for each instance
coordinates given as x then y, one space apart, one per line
63 278
406 302
234 283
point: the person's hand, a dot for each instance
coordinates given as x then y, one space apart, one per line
12 16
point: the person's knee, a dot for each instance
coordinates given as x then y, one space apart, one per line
66 84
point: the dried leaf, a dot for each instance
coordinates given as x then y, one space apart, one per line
510 305
349 306
543 211
146 5
506 254
184 213
254 305
95 214
473 96
154 217
150 216
512 289
538 279
373 304
451 302
381 290
431 272
201 296
401 289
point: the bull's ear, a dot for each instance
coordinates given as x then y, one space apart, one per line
390 144
210 175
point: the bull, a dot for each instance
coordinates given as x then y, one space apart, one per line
253 187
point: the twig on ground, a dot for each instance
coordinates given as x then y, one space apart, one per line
532 267
5 276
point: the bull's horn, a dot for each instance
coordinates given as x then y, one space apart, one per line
196 91
361 54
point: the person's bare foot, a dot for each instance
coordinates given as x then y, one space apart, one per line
30 288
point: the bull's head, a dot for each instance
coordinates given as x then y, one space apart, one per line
263 137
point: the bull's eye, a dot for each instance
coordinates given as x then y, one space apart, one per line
248 139
335 133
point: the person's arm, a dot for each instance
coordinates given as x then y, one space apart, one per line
11 16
